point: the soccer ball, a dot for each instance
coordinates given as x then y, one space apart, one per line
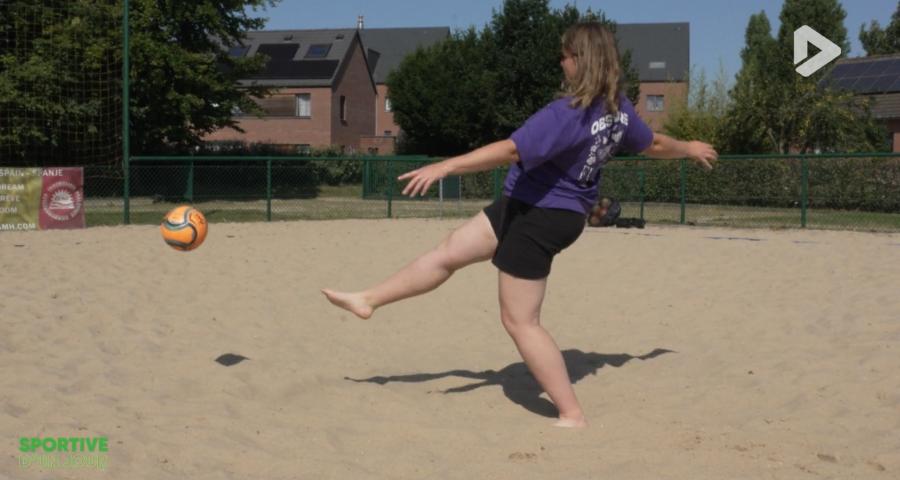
184 228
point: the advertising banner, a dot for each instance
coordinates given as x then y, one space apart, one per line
62 198
20 194
45 198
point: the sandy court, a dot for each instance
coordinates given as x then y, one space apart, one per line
698 354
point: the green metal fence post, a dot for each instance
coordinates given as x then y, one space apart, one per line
189 194
391 182
804 190
641 179
683 187
126 147
268 189
365 189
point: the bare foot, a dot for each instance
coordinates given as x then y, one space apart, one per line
352 302
578 422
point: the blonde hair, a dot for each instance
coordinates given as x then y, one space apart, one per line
598 73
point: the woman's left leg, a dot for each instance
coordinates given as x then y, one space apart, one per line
520 312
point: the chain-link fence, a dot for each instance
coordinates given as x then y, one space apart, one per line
241 188
829 191
859 192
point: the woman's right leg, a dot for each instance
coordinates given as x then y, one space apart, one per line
520 312
473 242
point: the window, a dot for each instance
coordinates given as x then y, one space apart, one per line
304 149
387 133
303 106
657 65
319 50
238 51
387 105
343 108
655 103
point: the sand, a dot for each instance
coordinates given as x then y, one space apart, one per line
697 354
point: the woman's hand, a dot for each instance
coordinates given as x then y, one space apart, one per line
702 153
664 146
499 153
421 179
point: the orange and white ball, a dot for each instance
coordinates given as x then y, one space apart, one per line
184 228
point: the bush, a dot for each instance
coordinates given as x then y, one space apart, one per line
865 183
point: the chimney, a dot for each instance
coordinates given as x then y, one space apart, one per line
360 24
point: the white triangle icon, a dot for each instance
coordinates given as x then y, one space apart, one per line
805 35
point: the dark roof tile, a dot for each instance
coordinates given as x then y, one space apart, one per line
394 44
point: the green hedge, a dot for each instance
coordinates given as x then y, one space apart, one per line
843 183
862 183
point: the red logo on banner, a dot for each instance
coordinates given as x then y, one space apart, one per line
62 198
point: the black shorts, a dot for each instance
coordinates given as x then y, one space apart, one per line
528 237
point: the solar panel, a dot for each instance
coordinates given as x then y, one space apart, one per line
869 75
840 70
278 51
893 67
865 67
300 70
883 83
895 87
878 68
844 83
852 70
864 85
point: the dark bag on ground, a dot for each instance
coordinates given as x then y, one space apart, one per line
613 211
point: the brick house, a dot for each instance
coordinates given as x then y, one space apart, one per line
877 78
331 90
661 54
324 91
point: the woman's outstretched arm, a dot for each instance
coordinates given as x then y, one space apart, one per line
664 146
487 157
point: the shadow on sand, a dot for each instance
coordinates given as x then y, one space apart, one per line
517 382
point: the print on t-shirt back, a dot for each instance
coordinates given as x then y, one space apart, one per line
607 132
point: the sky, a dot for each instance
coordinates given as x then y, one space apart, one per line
717 26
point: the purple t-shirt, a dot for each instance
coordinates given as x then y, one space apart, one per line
562 151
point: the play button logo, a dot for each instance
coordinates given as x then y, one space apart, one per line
805 35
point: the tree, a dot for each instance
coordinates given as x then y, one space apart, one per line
60 80
745 130
525 46
477 87
57 71
443 96
814 117
882 42
777 110
184 84
702 114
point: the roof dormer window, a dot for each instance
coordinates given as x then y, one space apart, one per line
319 50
